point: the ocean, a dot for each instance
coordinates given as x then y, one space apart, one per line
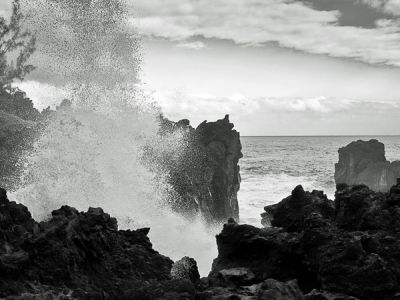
272 166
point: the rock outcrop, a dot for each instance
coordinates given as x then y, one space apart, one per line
314 249
342 249
364 162
206 176
83 255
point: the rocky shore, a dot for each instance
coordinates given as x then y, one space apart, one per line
311 248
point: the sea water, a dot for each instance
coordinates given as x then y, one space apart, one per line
271 168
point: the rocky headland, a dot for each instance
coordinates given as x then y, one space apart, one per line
206 176
311 248
364 162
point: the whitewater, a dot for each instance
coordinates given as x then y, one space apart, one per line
91 153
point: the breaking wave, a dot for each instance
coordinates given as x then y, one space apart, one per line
91 152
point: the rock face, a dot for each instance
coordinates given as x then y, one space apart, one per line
342 249
316 249
81 254
206 176
364 162
76 255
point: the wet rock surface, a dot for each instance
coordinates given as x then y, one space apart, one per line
364 162
84 252
83 255
316 249
206 176
341 249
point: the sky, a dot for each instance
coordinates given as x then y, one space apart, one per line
277 67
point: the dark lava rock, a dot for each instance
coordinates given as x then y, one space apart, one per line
270 289
83 255
324 295
84 252
273 289
364 162
206 175
186 268
342 249
175 289
292 211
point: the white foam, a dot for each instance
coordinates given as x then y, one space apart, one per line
92 154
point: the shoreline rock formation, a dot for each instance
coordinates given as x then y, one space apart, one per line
314 248
83 255
364 162
207 175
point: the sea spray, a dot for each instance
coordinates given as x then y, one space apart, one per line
92 152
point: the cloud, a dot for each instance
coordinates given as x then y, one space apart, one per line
391 7
258 115
196 45
197 107
290 23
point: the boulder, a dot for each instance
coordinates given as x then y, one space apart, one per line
186 268
364 162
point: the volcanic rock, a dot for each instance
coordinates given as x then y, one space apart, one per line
364 162
186 268
206 176
342 249
84 252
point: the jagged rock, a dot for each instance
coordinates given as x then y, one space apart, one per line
291 212
82 251
267 252
186 268
364 162
206 176
359 208
346 248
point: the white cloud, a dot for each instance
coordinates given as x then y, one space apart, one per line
290 23
178 104
391 7
196 45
